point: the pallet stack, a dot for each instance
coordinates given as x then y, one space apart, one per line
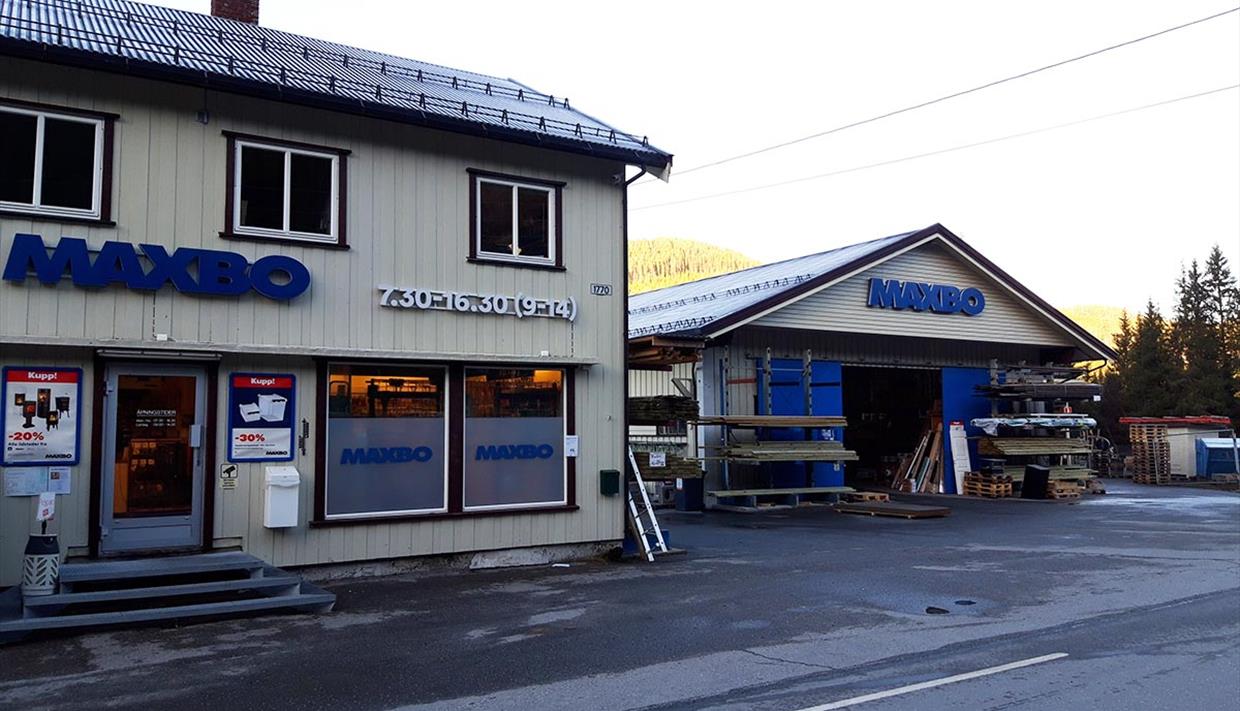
992 486
1151 453
1058 489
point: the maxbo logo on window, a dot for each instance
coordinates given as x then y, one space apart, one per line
923 296
385 455
189 270
514 451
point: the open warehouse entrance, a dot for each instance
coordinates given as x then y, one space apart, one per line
887 410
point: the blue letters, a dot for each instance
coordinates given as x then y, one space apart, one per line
514 451
385 455
191 271
924 296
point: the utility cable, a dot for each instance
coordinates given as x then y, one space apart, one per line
948 97
937 152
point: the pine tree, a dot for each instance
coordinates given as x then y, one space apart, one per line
1221 298
1201 384
1151 369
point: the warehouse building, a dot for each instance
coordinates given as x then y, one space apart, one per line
319 304
888 334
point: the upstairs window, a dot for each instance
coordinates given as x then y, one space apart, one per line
515 220
52 163
285 191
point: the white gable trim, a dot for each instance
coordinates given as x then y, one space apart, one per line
870 264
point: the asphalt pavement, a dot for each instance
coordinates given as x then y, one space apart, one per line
1133 598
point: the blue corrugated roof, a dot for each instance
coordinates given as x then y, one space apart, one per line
186 46
691 308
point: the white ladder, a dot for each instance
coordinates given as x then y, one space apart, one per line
641 516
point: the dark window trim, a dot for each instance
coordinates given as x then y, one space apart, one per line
105 180
342 191
456 444
480 258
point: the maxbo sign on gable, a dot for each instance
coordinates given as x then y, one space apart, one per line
923 296
189 270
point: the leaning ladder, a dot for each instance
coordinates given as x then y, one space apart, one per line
641 516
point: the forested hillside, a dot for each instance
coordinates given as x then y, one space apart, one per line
1102 321
666 261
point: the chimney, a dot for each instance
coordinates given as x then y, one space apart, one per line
239 10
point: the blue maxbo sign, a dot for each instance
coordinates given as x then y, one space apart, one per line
189 270
922 296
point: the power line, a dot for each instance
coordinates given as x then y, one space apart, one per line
949 97
941 151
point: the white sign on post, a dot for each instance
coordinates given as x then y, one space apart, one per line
47 507
658 460
571 442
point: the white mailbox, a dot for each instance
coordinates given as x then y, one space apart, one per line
283 488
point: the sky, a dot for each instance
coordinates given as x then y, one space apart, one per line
1104 212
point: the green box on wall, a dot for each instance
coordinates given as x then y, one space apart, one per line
609 482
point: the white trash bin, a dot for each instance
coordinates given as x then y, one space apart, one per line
283 489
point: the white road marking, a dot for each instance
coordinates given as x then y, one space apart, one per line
937 682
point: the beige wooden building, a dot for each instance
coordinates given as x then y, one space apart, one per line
230 250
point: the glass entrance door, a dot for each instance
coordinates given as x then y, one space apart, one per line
152 484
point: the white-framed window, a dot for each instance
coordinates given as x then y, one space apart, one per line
515 220
285 191
51 163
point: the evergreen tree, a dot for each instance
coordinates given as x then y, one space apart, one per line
1202 382
1151 369
1221 297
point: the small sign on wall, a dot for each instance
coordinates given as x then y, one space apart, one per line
41 413
260 417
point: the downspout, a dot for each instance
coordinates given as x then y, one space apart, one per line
624 342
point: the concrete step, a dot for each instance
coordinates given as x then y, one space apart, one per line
305 602
265 584
112 570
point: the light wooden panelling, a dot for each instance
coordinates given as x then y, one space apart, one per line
842 307
407 224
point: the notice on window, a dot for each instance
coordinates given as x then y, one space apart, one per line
41 410
260 417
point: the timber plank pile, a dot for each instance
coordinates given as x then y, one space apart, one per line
991 486
674 467
789 451
1058 471
779 421
1151 453
921 471
659 409
893 509
1032 446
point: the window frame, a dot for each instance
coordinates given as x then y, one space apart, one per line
564 392
101 184
555 236
454 403
232 202
324 394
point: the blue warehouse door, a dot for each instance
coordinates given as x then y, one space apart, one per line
788 390
962 404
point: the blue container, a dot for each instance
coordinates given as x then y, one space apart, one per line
689 496
1215 455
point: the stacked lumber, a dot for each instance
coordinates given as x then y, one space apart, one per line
1056 489
749 421
922 470
1071 390
789 451
993 486
1032 446
676 467
1058 471
658 409
1151 453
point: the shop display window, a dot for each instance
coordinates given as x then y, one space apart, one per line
514 438
386 451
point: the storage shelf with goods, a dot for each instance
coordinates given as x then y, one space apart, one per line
665 454
750 445
1032 422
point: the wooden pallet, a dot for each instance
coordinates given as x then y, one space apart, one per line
1062 490
988 489
866 496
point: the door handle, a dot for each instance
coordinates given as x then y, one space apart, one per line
195 436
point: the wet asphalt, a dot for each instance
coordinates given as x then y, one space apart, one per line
781 610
